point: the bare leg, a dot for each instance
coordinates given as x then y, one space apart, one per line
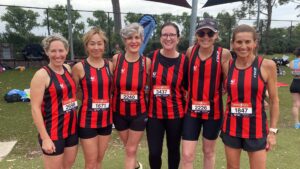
188 154
209 155
257 159
232 157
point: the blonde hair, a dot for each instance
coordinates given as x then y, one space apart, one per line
46 42
93 31
131 29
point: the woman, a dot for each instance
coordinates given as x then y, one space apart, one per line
204 106
95 79
53 106
167 98
129 101
245 121
295 87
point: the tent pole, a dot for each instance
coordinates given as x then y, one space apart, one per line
70 29
193 21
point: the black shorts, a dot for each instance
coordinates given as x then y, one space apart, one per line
137 123
86 133
192 128
295 86
60 145
249 145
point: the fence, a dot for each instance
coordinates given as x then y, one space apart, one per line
284 35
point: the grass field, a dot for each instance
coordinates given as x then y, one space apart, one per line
16 124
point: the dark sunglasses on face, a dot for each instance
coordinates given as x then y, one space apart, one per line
202 33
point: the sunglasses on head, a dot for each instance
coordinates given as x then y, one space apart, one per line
209 33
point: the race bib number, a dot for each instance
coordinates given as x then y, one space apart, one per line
69 105
162 91
200 106
241 109
100 104
129 96
296 72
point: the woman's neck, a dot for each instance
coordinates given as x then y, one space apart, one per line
205 52
244 62
132 56
169 53
56 69
96 62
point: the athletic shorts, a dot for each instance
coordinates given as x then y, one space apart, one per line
192 128
137 123
295 86
60 145
86 133
249 145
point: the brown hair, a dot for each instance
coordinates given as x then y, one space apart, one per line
244 28
93 31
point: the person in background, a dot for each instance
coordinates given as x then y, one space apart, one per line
295 87
93 77
129 101
245 121
204 105
168 86
54 105
117 49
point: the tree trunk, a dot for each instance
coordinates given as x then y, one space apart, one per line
117 15
269 20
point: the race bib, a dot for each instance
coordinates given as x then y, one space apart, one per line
161 91
200 106
69 105
100 104
241 109
296 72
129 96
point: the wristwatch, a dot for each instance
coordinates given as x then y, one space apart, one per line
273 130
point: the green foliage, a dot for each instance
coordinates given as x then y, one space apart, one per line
57 21
132 17
102 20
20 21
225 23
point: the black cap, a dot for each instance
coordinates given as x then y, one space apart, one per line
207 23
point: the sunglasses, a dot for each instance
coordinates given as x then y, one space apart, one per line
201 34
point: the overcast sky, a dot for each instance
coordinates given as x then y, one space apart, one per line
285 12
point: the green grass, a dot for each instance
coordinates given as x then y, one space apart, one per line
16 124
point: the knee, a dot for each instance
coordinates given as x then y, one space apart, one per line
131 151
233 166
188 157
208 152
68 163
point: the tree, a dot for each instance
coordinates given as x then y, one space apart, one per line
132 17
20 21
266 9
225 23
102 20
58 21
117 15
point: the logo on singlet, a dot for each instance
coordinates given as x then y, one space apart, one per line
154 75
195 68
61 85
92 78
122 70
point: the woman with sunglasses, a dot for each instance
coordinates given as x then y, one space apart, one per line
204 105
167 98
245 120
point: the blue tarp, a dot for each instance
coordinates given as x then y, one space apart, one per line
149 24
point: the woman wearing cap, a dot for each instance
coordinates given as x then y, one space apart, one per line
245 120
295 87
129 101
167 98
204 107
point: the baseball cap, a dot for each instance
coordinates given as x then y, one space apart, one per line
207 23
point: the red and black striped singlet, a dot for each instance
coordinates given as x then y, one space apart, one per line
167 100
129 87
95 111
205 85
245 115
59 105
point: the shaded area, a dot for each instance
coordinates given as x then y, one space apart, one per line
218 2
182 3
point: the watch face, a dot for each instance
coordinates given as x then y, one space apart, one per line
273 130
